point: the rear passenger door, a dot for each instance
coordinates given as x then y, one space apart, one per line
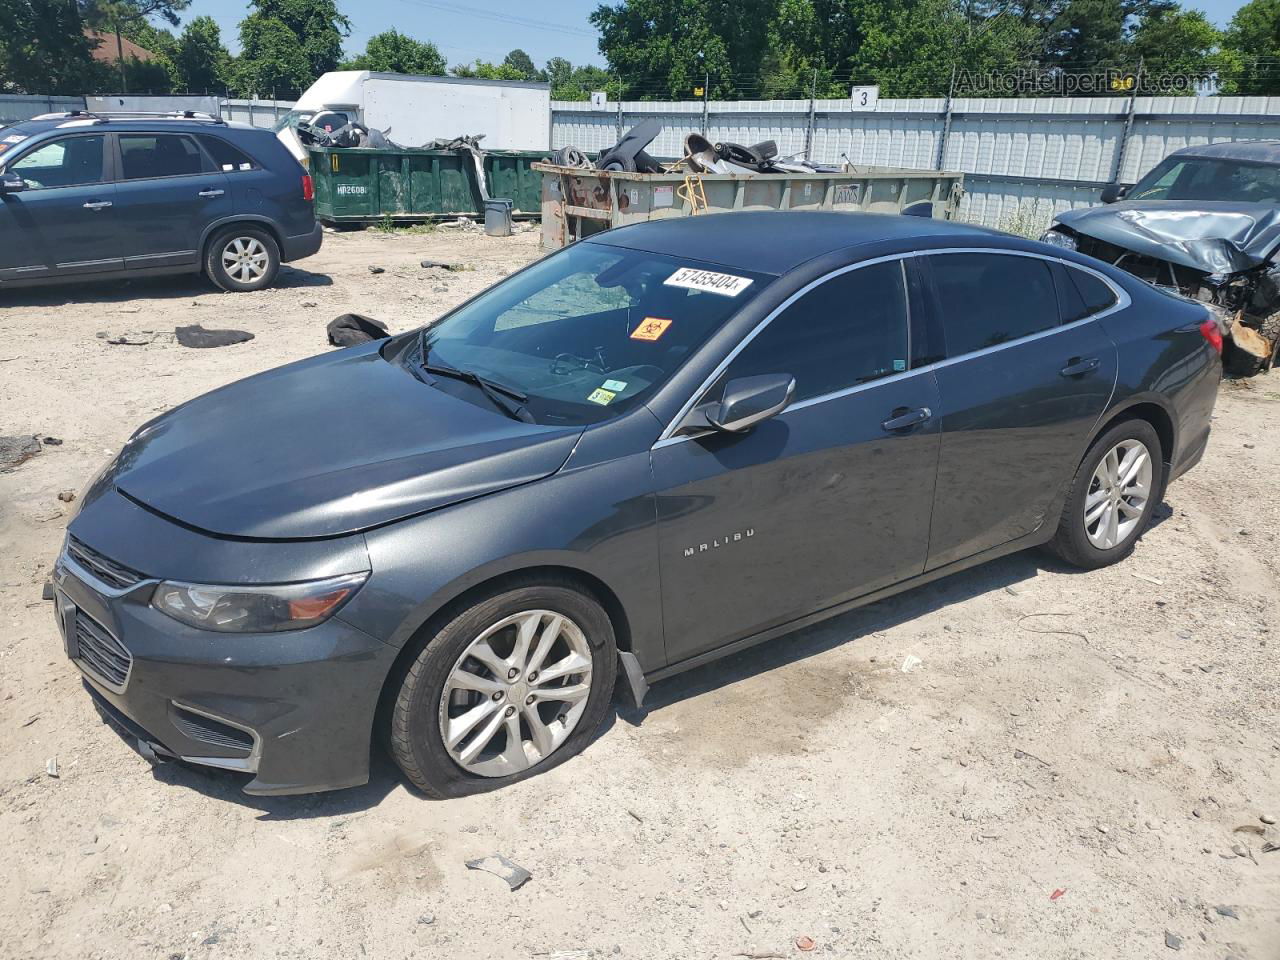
168 193
1026 372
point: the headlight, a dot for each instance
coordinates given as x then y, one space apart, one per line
237 609
1058 239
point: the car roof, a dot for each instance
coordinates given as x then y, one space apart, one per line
39 125
1258 151
776 242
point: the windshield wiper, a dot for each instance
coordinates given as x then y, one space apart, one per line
507 399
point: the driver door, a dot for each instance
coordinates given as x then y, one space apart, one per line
824 502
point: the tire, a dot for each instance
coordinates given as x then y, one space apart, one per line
1087 545
259 266
430 698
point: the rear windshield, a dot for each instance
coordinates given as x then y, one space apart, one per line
588 332
1209 178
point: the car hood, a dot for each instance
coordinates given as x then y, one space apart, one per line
1213 237
328 446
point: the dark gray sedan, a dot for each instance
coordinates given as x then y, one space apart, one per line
655 447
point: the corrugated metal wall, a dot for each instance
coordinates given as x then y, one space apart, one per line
15 107
1023 159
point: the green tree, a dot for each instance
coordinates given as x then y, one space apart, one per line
521 62
286 44
394 52
199 58
43 49
1179 43
483 70
578 83
126 18
1254 39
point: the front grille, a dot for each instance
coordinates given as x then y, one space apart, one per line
207 730
113 574
101 654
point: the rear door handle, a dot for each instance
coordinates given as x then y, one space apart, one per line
1078 367
211 193
908 418
97 204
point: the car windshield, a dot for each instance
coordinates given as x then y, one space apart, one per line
1209 178
585 334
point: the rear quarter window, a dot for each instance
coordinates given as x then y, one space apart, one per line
226 156
1097 296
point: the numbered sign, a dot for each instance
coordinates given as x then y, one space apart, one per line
864 98
599 99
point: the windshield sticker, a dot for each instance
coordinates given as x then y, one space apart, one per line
602 397
15 138
651 328
899 366
724 284
617 386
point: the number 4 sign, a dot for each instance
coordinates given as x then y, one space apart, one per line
864 98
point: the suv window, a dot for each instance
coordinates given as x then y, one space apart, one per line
849 330
992 298
68 162
225 156
147 156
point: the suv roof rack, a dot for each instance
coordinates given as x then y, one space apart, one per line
108 116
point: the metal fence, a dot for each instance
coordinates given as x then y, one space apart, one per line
260 113
1024 159
15 107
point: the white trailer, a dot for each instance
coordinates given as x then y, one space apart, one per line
411 110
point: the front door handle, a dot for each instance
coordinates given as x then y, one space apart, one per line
1078 367
903 419
97 204
211 193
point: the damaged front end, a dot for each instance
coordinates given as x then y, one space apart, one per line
1241 289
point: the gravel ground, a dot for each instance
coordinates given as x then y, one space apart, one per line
1062 775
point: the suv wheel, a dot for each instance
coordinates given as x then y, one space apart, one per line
242 258
514 685
1112 496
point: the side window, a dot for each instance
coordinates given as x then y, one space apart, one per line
69 162
992 298
849 330
226 157
1097 296
147 156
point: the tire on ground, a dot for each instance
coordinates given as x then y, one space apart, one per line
217 269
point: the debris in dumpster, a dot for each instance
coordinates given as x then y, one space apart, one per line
15 451
198 337
352 329
572 157
515 875
628 153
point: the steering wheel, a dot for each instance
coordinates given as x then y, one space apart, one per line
566 363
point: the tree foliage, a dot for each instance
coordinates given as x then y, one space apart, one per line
43 48
484 70
521 62
286 44
394 52
1253 39
199 58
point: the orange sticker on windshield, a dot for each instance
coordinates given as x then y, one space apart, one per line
650 329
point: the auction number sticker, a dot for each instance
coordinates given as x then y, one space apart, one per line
725 284
651 328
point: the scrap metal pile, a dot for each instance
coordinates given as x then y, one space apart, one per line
700 156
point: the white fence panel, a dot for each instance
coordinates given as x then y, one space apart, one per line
15 107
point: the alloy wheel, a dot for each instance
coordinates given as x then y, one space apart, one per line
245 259
516 693
1118 494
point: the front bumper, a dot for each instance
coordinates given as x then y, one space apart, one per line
294 709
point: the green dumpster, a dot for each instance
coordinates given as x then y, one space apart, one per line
366 186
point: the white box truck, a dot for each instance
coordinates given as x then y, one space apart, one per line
412 110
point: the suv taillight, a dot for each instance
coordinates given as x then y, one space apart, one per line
1209 330
308 187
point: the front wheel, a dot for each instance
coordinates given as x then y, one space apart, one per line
1112 497
514 685
242 258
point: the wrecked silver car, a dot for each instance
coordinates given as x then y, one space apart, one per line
1205 221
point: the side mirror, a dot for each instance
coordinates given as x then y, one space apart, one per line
1113 192
10 182
749 400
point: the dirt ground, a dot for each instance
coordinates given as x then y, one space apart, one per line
1061 776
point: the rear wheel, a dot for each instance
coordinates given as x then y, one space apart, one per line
1112 496
242 258
514 685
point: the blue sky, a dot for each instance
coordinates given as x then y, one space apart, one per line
487 29
463 30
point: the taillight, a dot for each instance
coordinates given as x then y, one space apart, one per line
309 188
1209 330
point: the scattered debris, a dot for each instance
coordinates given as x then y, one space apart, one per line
1225 911
66 496
462 223
760 955
15 451
51 767
1172 941
352 329
198 337
805 943
1251 828
1023 755
377 270
911 662
438 264
1267 819
1065 633
515 875
1146 579
1270 847
31 719
635 816
427 919
132 339
1057 894
799 885
53 441
308 304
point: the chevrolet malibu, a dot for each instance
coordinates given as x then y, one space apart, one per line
658 446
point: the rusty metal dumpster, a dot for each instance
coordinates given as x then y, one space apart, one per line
577 203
